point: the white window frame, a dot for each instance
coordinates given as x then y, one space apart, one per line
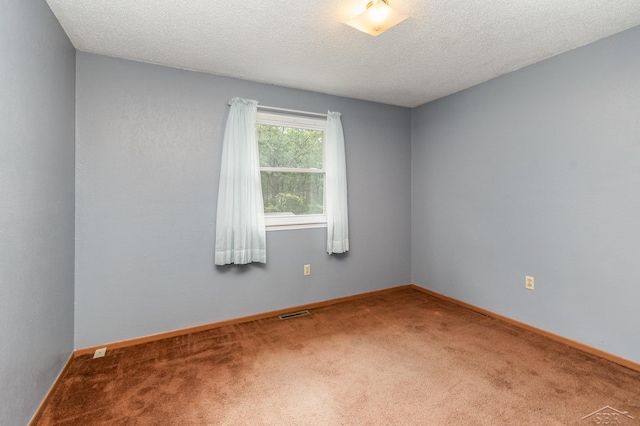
275 222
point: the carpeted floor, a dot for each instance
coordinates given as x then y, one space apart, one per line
400 358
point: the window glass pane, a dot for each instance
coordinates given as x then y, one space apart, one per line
292 193
289 147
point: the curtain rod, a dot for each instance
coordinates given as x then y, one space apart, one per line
295 111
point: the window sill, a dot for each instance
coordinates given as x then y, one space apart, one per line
295 226
281 222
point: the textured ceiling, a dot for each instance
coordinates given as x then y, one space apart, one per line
446 45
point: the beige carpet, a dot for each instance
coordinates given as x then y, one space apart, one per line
401 358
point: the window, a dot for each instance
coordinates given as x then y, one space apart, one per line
292 169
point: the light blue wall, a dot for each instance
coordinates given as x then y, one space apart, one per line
148 153
37 89
538 173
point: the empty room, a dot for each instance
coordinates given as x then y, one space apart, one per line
265 213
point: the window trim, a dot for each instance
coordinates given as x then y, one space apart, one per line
287 222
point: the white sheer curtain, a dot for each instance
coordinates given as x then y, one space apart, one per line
336 202
240 230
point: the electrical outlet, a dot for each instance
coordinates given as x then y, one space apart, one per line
99 353
307 269
528 282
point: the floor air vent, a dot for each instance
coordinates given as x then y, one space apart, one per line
294 314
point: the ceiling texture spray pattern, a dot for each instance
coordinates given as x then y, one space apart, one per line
445 47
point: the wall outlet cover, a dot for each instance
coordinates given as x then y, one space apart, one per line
529 282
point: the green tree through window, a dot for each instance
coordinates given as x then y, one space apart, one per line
292 165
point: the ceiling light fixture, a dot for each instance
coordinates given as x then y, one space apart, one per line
377 18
